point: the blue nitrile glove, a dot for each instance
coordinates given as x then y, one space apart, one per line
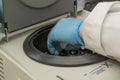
65 31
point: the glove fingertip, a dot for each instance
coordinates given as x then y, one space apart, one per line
56 53
52 49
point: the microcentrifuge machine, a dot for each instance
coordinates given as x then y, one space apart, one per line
24 27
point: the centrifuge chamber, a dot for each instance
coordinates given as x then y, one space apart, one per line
35 47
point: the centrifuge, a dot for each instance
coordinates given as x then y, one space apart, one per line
25 25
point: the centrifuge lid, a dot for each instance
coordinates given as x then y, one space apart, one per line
19 14
38 3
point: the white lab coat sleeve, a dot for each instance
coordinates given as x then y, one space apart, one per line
101 30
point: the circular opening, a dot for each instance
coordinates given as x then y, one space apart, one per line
35 47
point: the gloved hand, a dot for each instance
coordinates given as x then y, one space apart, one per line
65 31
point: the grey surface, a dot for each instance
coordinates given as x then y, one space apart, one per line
80 5
17 15
38 3
1 12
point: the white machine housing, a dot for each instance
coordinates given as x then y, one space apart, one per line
16 65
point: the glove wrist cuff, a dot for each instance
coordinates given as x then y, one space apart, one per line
77 37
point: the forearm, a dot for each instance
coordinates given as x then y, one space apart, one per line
100 30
